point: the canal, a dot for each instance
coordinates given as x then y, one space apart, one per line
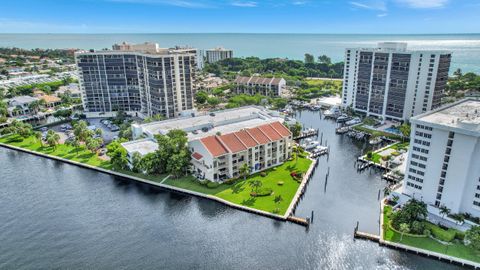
55 215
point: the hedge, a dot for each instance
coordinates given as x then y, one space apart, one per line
441 234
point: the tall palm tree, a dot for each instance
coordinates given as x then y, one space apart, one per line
255 184
38 137
52 138
444 211
245 170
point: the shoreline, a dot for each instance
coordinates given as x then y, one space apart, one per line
283 217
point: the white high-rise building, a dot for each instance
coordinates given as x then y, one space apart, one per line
443 166
217 54
391 82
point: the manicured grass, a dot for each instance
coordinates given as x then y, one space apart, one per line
456 248
375 158
337 83
376 132
400 146
80 154
239 192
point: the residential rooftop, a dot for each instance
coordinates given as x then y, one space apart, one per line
257 80
143 147
207 124
463 116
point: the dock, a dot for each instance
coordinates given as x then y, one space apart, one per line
367 236
306 134
298 220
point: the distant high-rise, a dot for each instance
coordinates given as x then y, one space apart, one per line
217 54
141 80
392 82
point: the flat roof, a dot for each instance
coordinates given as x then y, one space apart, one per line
143 146
463 115
225 121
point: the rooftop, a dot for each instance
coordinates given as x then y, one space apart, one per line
244 139
205 125
463 116
397 47
143 147
258 80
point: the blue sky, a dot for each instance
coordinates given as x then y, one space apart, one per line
240 16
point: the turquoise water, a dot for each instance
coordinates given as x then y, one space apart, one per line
465 47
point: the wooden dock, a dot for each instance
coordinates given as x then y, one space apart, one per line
301 221
304 135
367 236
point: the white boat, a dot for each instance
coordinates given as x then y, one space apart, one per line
343 118
309 145
354 121
332 112
376 140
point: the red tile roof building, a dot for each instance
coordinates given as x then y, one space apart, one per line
219 157
260 85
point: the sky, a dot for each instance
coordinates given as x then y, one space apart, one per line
240 16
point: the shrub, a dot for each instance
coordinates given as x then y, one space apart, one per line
441 234
427 232
261 192
231 181
280 183
212 185
369 155
418 227
460 235
263 174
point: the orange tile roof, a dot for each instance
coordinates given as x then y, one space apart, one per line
214 146
246 138
258 135
271 133
232 143
197 155
50 99
282 129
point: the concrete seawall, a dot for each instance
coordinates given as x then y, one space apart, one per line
164 186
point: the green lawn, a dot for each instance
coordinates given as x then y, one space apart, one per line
456 248
375 158
239 192
81 154
400 146
376 132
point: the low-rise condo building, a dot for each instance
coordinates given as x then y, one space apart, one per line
220 157
391 82
443 162
141 80
222 141
217 54
271 87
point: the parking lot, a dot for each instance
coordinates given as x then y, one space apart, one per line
65 130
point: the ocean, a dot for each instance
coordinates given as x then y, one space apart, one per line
465 47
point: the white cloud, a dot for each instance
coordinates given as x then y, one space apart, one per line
299 3
244 4
381 15
373 5
424 3
176 3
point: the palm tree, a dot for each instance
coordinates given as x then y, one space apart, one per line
245 170
278 199
98 132
52 138
444 211
38 137
404 228
255 184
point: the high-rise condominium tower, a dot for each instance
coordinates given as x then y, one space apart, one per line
392 82
141 80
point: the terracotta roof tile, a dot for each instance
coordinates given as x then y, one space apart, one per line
246 138
197 155
214 146
270 132
232 142
283 130
258 135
